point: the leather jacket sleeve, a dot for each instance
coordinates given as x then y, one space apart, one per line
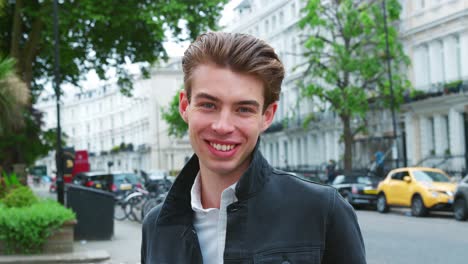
344 243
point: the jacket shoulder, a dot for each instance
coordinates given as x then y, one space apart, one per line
289 178
152 217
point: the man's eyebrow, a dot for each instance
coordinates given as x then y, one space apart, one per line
216 99
249 102
206 96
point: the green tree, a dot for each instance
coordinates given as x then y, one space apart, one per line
97 35
177 126
14 97
94 35
346 51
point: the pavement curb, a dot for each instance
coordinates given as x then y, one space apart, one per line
90 256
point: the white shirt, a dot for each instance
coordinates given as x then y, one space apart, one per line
210 223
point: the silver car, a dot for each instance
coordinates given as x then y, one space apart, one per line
460 206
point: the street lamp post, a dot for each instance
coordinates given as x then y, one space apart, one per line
389 75
58 156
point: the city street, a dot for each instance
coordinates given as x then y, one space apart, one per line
392 238
397 238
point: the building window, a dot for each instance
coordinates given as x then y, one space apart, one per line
442 59
267 26
432 139
281 18
421 67
447 126
458 62
273 23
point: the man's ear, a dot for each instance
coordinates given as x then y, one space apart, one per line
269 115
183 105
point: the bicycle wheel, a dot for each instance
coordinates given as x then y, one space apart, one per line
120 211
135 204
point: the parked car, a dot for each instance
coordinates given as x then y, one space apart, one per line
116 182
460 205
357 189
421 189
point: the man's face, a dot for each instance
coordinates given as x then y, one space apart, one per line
225 118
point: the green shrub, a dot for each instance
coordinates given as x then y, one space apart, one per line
24 230
20 197
7 183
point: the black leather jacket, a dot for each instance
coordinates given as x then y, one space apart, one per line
278 218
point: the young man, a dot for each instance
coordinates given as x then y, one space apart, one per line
228 205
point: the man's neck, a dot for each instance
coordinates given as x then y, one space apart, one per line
212 186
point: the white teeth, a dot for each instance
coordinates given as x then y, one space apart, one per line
222 147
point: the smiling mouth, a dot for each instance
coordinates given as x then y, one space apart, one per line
221 147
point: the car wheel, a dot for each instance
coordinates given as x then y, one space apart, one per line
382 206
417 207
460 209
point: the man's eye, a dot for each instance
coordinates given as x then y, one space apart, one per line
245 110
207 105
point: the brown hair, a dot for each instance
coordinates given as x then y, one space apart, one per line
241 53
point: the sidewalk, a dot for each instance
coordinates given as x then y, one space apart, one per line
124 248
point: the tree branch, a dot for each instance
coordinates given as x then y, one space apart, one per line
16 29
30 50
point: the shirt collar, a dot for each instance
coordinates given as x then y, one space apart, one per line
195 194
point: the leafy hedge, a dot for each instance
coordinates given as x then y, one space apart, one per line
25 229
7 183
20 197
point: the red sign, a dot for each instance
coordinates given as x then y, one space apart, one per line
81 162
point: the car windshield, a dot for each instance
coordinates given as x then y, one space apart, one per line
126 178
367 180
430 176
341 179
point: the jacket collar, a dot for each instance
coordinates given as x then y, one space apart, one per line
177 209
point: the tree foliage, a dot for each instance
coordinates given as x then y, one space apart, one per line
177 126
93 35
97 35
346 52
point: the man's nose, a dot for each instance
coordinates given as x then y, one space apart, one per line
223 124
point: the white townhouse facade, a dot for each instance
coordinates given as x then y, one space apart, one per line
435 35
430 132
287 144
100 120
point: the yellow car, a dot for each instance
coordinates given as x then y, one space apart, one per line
422 189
